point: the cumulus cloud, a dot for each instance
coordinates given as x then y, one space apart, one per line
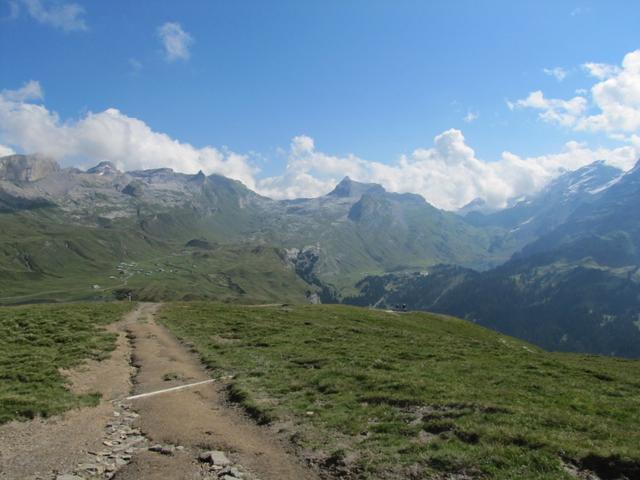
553 110
617 97
613 106
175 41
601 70
31 90
66 16
558 73
448 174
109 135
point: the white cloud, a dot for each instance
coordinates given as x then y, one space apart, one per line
449 175
109 135
31 90
4 151
175 40
558 73
66 16
471 116
601 70
617 97
613 107
562 112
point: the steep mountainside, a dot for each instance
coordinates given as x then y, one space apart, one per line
531 218
361 228
607 229
575 288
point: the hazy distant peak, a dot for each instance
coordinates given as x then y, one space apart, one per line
590 179
199 177
476 205
104 168
348 188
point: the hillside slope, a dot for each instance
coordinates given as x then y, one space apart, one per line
370 394
575 288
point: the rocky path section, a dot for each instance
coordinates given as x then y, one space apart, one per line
193 433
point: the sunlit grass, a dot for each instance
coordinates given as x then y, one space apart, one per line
36 341
404 396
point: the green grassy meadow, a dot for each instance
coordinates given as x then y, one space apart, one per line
44 259
36 341
372 394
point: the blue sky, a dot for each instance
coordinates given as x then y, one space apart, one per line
366 80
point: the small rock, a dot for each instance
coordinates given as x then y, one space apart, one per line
91 467
167 450
215 457
310 413
163 449
68 477
235 473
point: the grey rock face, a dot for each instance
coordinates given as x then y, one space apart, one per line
26 168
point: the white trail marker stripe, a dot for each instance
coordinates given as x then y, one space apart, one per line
173 389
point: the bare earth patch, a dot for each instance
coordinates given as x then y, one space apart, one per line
43 447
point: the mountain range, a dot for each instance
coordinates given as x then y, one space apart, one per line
558 268
574 285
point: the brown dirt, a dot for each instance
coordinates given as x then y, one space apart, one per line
35 449
196 418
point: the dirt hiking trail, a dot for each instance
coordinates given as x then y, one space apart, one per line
183 434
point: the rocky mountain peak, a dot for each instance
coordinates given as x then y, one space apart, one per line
590 179
199 177
26 168
348 188
104 168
